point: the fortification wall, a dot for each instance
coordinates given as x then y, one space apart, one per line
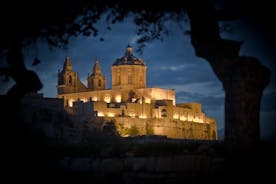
171 128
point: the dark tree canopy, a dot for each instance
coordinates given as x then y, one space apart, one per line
57 21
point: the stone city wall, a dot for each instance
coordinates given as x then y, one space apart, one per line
171 128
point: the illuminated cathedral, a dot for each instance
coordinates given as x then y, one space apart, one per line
130 103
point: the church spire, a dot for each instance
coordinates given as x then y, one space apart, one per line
67 64
96 81
96 68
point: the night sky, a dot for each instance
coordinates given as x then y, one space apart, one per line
170 64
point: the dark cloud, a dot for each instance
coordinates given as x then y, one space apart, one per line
184 75
208 102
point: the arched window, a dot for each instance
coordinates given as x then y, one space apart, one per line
164 113
100 83
70 79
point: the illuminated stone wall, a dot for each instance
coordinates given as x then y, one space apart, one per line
160 117
145 95
151 94
189 112
166 127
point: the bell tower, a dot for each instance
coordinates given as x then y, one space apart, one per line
96 81
68 81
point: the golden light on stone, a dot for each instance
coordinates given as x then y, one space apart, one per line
100 114
147 100
110 114
142 116
198 119
70 102
175 116
107 99
183 118
131 114
94 98
118 98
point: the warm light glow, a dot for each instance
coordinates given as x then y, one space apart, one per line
94 98
125 135
100 114
175 116
143 116
198 120
131 114
110 114
118 98
183 118
190 117
107 99
70 102
83 99
147 100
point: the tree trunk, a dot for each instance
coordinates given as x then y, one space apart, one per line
243 87
243 78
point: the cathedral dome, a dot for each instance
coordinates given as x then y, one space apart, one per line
129 59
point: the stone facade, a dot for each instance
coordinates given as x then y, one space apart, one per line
128 72
131 104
